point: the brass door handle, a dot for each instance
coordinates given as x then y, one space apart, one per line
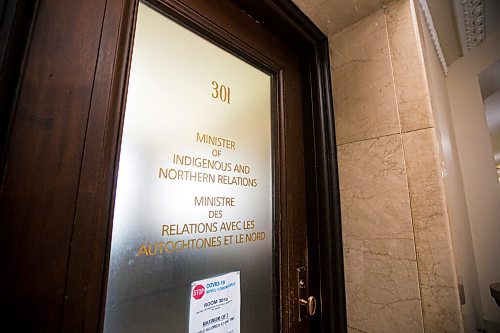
310 305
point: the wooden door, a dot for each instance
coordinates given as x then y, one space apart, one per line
61 168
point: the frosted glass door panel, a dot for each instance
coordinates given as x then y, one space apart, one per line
194 190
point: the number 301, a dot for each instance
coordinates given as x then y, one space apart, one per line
221 92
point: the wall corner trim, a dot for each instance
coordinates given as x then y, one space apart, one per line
434 36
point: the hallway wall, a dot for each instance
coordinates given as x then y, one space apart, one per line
400 273
470 177
463 248
475 153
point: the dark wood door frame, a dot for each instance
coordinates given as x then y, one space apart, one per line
16 20
74 235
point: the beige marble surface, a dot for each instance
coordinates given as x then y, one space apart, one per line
363 88
409 76
333 16
440 302
379 250
399 267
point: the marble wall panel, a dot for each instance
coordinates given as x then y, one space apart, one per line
333 16
438 284
379 251
364 99
409 76
399 267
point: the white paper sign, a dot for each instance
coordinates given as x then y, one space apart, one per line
215 304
